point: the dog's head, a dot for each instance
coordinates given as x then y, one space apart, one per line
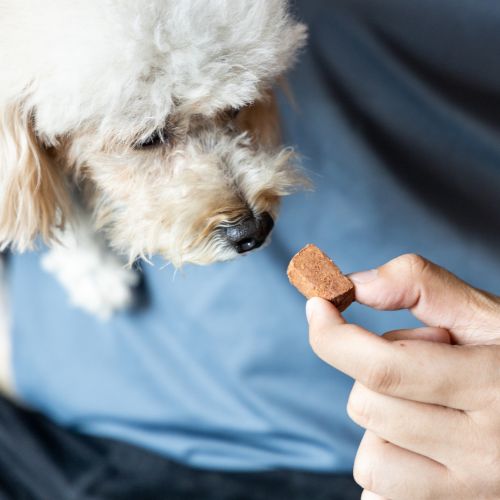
160 112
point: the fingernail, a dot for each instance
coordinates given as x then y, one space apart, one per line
313 308
364 277
309 309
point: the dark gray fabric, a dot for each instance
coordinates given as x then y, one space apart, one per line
42 461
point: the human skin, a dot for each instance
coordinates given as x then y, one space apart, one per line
429 398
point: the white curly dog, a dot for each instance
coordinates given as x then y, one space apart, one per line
130 128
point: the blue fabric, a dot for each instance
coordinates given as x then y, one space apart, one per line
395 125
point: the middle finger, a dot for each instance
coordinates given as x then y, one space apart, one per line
419 427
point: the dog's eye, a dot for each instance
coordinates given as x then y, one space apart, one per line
233 113
156 139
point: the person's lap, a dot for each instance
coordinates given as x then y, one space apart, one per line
40 460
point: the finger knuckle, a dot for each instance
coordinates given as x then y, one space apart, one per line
383 377
363 471
358 409
414 263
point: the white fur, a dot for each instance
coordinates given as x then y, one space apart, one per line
119 65
96 279
84 81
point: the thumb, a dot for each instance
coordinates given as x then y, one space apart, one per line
434 295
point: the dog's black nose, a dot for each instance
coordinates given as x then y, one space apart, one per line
250 233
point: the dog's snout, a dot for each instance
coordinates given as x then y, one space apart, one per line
249 233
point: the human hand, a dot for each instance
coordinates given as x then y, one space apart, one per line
431 409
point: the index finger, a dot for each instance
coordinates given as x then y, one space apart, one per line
417 370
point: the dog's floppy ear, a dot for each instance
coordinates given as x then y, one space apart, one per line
33 197
261 120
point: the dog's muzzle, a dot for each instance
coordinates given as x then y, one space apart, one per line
249 233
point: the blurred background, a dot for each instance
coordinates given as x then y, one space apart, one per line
395 115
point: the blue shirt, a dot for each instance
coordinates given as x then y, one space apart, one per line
395 128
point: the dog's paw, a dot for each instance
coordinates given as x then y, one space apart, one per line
95 279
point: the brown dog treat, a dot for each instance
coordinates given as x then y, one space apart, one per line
315 275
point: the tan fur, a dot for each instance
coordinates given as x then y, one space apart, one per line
168 200
137 105
171 200
33 197
261 121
